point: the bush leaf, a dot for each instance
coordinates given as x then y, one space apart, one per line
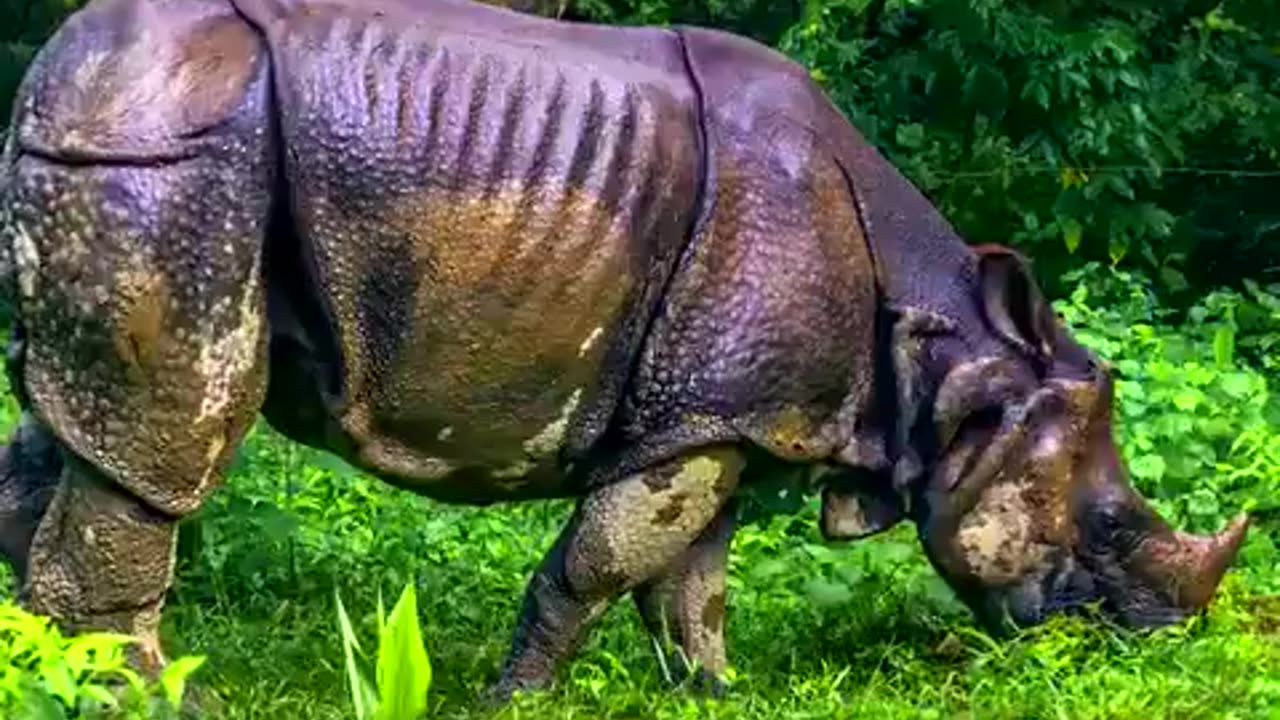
174 677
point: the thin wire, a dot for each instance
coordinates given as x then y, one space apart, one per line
1052 169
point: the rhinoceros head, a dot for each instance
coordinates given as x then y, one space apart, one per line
1022 501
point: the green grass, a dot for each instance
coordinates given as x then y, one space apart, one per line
815 630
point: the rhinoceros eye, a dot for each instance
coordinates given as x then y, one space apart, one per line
1107 529
974 434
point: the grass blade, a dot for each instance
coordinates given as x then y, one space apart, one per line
363 696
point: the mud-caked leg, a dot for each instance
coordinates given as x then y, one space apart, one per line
684 607
620 536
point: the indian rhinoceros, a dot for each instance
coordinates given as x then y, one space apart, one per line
492 257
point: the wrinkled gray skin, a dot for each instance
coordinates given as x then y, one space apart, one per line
491 257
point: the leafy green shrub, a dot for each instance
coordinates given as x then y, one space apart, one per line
1074 129
46 676
865 629
403 670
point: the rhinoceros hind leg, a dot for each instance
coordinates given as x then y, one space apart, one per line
102 560
146 360
621 536
684 608
29 469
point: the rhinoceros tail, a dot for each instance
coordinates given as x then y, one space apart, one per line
264 13
8 273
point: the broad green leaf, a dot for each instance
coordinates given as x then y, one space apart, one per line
99 694
1204 504
1188 399
1120 185
1148 467
95 650
57 678
824 593
894 551
1236 384
910 136
851 575
1224 346
773 567
1174 279
38 704
404 671
1118 247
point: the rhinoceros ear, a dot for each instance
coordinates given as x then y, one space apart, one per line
856 505
1012 302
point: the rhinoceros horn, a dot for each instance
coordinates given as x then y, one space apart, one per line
1181 569
1187 568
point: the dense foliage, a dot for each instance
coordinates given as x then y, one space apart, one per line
1131 147
45 675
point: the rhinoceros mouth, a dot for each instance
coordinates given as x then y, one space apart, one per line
1065 587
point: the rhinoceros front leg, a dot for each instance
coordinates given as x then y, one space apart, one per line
620 536
684 607
137 239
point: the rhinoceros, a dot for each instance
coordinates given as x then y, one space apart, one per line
490 257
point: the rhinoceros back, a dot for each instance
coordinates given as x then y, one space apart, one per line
491 206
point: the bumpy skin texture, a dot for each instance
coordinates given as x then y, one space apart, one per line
490 207
758 336
492 257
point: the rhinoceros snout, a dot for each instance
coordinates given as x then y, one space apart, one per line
1152 575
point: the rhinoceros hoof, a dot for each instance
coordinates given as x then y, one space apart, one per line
201 701
707 684
502 691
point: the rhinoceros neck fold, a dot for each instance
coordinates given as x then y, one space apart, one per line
921 261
